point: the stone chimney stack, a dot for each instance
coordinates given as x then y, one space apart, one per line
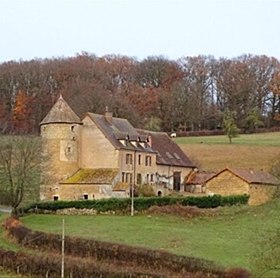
150 141
108 116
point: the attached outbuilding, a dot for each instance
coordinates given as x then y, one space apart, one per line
260 185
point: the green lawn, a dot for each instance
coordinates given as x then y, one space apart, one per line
258 139
229 239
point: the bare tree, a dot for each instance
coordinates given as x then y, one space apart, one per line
19 170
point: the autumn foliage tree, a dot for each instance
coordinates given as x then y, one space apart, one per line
22 112
192 92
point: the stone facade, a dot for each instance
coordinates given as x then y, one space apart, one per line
261 193
260 186
225 184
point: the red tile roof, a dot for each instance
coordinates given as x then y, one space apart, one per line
198 178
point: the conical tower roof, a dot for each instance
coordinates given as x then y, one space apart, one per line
61 112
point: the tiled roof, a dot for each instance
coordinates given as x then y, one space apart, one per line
123 135
95 176
118 130
61 113
168 152
121 186
255 176
198 178
252 176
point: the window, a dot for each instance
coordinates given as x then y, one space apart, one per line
148 160
128 158
85 196
152 177
55 198
128 178
148 178
139 159
139 178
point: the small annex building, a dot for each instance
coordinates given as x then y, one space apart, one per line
195 182
101 156
260 185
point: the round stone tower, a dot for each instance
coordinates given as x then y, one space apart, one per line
60 132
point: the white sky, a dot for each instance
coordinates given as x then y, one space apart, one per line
139 28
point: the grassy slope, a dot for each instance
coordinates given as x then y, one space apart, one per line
212 153
228 239
5 244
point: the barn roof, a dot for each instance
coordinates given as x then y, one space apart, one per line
198 178
251 176
61 112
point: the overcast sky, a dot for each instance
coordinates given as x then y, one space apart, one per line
139 28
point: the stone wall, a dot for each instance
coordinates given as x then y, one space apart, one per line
225 184
70 192
261 193
60 151
96 150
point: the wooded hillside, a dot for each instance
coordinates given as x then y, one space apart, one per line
191 93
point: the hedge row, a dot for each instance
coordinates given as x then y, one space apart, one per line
98 251
50 266
140 204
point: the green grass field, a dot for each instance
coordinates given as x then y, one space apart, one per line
229 239
213 153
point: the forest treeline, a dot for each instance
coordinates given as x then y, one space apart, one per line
191 93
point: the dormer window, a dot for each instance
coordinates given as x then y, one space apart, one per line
122 142
134 143
142 144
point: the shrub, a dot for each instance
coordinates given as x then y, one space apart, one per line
145 190
140 204
237 273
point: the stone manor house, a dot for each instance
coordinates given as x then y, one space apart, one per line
101 156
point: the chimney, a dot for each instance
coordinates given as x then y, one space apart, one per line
150 141
108 116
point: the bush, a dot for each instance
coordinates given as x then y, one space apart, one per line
145 190
237 273
140 204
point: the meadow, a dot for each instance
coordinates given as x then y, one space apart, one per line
229 239
213 153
